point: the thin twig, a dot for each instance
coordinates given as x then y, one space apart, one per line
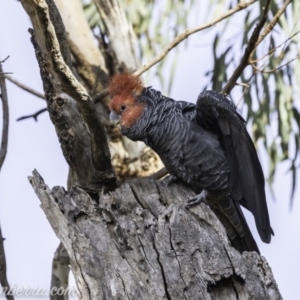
274 69
4 140
271 25
24 87
60 272
4 60
158 175
245 85
34 116
267 30
244 91
254 41
181 37
249 49
99 96
3 278
272 51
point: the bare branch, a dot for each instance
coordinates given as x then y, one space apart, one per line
190 31
249 49
100 96
3 277
4 140
34 116
4 60
271 25
254 41
60 272
274 69
158 175
24 87
3 151
272 51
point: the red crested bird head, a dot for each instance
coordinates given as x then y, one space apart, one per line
125 107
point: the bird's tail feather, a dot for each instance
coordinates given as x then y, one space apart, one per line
240 236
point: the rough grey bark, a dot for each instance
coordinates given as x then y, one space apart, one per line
139 242
3 151
78 125
6 290
60 273
5 116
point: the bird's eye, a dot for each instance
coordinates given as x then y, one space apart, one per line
122 107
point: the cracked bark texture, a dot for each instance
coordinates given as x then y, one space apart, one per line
60 272
139 242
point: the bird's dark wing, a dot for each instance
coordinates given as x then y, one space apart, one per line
188 109
217 113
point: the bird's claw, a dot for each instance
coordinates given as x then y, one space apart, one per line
171 179
196 200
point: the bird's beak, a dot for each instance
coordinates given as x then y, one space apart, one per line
114 118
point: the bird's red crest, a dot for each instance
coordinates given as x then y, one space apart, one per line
125 83
124 89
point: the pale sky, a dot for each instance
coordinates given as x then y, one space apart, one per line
30 242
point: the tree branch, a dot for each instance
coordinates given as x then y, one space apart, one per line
34 116
272 51
158 175
60 272
3 278
100 96
4 140
4 60
274 69
254 41
25 87
249 49
271 25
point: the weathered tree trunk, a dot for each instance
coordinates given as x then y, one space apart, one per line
139 242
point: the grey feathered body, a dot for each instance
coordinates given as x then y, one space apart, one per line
206 158
189 151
